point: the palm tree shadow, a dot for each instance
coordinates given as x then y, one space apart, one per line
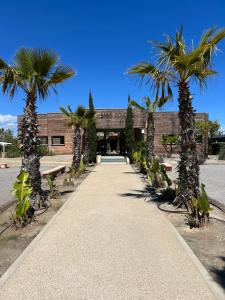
147 194
219 273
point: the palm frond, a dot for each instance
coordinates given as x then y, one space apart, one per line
136 105
43 60
60 74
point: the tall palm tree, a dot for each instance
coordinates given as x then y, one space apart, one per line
77 120
36 72
150 107
160 83
183 63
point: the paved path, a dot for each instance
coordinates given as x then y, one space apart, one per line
107 243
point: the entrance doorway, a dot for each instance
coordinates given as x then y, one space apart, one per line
110 143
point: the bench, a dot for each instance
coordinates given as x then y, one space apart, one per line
3 166
167 167
54 172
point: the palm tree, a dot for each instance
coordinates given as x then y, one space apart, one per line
150 107
183 63
159 81
36 73
77 120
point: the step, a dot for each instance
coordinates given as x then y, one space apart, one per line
113 159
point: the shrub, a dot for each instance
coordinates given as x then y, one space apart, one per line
52 187
44 151
199 207
13 150
157 175
169 142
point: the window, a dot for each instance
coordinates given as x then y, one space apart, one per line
58 140
43 140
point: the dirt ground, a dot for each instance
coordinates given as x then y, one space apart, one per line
207 243
13 242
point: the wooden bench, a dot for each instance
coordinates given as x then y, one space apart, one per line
3 166
168 167
54 172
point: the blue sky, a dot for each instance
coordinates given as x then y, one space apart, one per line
101 40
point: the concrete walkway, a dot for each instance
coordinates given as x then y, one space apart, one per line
106 243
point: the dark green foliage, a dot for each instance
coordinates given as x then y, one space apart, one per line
6 135
44 151
169 142
129 132
92 139
222 151
139 156
13 150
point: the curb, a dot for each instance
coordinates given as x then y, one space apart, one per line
217 204
215 288
33 243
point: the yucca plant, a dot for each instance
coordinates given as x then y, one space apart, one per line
201 207
22 191
36 72
157 175
54 193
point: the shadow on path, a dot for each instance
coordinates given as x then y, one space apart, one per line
219 273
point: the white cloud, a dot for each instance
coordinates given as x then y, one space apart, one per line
8 122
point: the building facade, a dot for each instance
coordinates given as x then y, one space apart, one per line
110 124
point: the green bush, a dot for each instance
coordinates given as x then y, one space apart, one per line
157 175
13 150
169 142
44 151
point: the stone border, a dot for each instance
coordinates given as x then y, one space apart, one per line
33 243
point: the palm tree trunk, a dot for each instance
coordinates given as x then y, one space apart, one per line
76 148
188 166
150 138
29 142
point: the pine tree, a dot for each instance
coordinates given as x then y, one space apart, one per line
92 145
129 132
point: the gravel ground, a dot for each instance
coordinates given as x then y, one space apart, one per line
212 175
